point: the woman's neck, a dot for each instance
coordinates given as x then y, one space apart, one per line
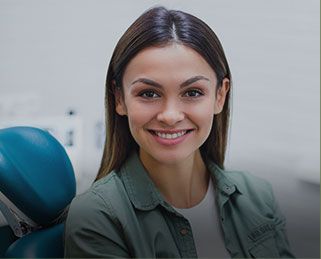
183 184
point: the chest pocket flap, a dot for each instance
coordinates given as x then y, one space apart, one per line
265 248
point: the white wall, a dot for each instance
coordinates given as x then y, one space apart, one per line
54 56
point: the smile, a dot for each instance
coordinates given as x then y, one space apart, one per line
170 137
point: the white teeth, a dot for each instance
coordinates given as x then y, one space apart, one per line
170 136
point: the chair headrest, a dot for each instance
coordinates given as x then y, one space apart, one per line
36 174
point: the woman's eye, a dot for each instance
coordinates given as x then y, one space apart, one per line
193 93
149 94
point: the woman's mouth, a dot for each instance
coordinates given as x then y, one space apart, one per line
170 137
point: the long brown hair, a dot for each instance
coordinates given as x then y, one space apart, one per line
158 27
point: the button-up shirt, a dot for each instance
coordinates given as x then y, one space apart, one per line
124 215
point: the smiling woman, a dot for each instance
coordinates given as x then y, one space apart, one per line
162 190
174 90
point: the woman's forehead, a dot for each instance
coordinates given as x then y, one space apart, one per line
175 61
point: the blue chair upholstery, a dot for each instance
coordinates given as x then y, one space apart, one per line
37 184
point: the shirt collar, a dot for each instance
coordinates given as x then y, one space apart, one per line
145 196
140 188
223 180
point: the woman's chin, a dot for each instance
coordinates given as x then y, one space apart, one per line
169 158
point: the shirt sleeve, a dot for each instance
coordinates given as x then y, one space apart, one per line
281 238
91 231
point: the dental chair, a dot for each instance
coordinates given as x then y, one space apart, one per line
37 184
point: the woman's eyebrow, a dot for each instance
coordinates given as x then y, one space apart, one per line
147 82
193 80
184 84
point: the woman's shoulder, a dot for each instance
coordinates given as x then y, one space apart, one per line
250 192
245 182
103 198
94 220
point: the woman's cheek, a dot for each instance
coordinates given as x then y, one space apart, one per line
141 111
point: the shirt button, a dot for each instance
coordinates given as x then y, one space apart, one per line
183 231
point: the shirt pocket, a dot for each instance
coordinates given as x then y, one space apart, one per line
265 248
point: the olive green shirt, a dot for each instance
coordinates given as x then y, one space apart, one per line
124 215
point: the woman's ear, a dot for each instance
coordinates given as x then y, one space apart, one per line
119 101
221 95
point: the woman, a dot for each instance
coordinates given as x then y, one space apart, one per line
162 190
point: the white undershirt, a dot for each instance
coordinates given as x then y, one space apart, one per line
206 229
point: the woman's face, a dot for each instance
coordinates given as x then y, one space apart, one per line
170 101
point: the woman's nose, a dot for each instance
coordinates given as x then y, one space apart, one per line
170 114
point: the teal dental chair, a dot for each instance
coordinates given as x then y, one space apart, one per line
37 184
